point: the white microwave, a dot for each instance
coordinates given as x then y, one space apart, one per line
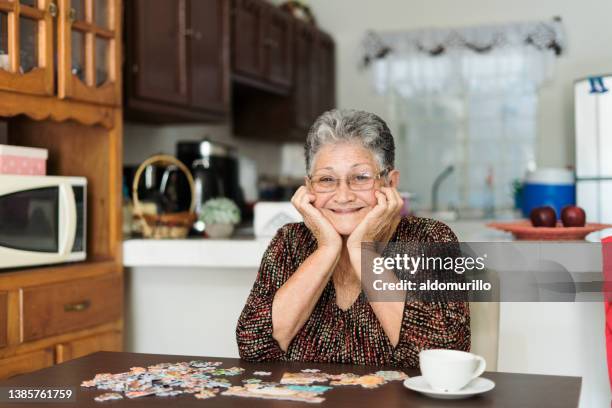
42 220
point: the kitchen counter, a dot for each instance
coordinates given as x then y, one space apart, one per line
203 253
246 252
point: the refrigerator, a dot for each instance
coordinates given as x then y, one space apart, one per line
593 118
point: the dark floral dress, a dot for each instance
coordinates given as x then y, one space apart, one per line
354 335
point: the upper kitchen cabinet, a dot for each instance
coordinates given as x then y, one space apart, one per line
326 73
177 60
271 116
305 91
26 46
247 36
262 45
89 45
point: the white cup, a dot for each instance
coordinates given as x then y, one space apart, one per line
450 370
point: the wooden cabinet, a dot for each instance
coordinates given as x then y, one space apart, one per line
326 74
110 341
25 363
157 56
26 46
314 91
68 306
247 36
177 60
270 116
278 47
78 306
305 93
77 310
89 51
262 45
208 52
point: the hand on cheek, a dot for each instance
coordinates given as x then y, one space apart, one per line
380 223
325 234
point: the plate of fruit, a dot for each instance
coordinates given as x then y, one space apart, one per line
544 225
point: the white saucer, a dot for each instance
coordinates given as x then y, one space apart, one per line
476 386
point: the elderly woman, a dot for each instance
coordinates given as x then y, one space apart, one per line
307 303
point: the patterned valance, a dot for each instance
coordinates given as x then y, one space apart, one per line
543 36
464 60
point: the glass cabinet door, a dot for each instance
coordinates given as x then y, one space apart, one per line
26 46
89 56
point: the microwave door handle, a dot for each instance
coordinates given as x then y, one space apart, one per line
67 219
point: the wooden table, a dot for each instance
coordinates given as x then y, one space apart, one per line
511 390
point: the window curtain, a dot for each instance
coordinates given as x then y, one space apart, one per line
465 98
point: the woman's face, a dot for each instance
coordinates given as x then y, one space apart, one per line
345 208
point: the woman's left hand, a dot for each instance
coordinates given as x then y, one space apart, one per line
380 223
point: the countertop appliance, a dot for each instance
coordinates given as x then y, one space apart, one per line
593 118
42 220
553 187
215 170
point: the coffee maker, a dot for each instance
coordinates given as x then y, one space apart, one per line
215 171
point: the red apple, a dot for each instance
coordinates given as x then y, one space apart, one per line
543 217
573 216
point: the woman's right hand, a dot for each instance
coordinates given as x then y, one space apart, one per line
322 229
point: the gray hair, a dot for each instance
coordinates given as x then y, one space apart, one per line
349 125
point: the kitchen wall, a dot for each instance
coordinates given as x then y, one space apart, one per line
142 141
588 31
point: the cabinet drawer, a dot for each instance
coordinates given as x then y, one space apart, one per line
110 341
3 317
25 363
53 309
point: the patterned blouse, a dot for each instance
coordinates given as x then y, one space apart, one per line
354 335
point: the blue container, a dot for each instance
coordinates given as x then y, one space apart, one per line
553 187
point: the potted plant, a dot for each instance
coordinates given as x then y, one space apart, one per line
219 216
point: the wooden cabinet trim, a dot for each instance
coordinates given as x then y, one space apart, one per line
154 112
108 341
51 342
42 108
3 319
24 363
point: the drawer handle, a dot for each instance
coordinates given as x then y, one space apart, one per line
77 307
53 9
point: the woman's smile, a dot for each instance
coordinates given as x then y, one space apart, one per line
342 211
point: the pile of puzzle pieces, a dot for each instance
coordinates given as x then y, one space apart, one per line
204 379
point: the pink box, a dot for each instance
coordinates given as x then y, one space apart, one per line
27 161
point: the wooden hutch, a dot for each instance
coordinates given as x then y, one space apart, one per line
60 89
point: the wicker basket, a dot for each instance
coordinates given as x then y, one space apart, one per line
171 225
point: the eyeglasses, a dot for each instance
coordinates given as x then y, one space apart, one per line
362 181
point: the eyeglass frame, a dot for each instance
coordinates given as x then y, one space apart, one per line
383 173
